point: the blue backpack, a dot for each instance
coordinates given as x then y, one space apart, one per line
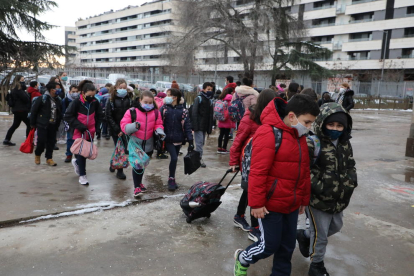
236 109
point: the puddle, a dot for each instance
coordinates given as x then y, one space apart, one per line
408 176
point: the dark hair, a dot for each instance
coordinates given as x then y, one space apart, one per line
238 83
153 90
42 84
265 97
301 105
207 84
147 94
88 87
33 84
310 92
247 81
132 85
225 92
16 82
176 93
292 90
73 86
230 79
282 85
61 73
52 79
108 84
82 83
300 87
51 85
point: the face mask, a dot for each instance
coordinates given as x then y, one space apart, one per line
168 100
64 78
341 90
302 130
23 85
74 95
58 91
210 94
333 134
147 107
89 98
121 92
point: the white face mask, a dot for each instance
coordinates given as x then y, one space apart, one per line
302 130
341 90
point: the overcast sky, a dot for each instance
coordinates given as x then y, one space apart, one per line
68 11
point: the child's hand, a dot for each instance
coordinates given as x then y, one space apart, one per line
302 210
233 168
260 212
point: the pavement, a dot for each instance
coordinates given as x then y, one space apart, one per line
151 237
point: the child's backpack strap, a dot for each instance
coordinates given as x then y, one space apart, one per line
317 148
278 138
44 98
133 113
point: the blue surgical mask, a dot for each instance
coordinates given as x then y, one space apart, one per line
64 78
74 95
121 92
147 107
168 100
58 91
333 134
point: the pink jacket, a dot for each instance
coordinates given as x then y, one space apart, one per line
147 121
159 101
243 91
228 123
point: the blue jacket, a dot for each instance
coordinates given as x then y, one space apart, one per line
177 124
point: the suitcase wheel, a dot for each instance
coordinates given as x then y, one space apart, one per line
188 220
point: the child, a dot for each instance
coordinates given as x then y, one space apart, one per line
46 116
159 100
177 127
105 95
227 125
333 178
33 90
279 184
84 114
148 120
73 94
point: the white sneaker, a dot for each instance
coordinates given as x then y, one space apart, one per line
75 166
83 180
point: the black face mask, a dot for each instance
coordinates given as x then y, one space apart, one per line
89 98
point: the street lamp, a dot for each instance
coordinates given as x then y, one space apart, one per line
383 59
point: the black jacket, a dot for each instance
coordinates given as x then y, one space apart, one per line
115 111
41 112
348 102
177 124
21 100
202 114
322 101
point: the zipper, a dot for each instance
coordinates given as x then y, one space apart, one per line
145 135
272 190
297 180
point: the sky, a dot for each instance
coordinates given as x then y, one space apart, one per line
69 11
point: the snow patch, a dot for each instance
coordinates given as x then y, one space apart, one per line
172 196
376 109
4 114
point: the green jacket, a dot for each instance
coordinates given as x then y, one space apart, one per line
333 175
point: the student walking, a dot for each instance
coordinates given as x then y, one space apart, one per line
73 94
105 95
226 125
46 115
247 128
119 103
279 184
84 116
247 93
148 120
20 105
177 127
159 100
333 180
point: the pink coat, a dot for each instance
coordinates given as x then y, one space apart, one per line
159 101
228 123
248 92
147 121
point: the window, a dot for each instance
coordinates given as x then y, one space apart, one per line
409 32
124 19
360 36
362 17
324 4
408 53
410 10
82 27
359 55
324 22
322 39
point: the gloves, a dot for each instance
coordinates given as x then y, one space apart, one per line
190 146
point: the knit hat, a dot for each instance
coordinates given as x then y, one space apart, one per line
161 95
175 85
339 117
103 90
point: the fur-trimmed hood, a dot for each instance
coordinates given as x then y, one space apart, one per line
244 90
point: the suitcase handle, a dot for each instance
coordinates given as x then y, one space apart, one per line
227 172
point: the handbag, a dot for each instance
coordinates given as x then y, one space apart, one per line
159 144
137 158
192 161
85 148
119 158
27 146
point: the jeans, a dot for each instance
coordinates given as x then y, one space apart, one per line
69 143
174 151
18 118
81 161
46 138
278 238
224 133
199 137
104 128
241 208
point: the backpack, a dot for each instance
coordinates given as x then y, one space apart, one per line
236 108
133 113
317 148
44 97
220 110
190 110
247 155
10 100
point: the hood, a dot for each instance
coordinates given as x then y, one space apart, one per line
231 85
326 92
103 91
244 90
327 110
349 93
30 90
161 95
274 113
228 97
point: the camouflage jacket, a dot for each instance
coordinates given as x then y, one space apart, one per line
333 175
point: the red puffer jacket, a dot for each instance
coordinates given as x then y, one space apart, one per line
280 182
245 131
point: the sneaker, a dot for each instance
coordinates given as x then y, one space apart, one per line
68 159
111 170
75 166
162 156
56 148
203 165
50 162
120 174
180 153
172 186
224 151
239 269
317 269
8 143
220 150
255 234
240 221
83 180
107 137
137 192
143 189
98 136
304 242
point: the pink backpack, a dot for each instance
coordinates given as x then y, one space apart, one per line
85 148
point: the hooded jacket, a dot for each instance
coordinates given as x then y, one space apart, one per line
33 92
21 99
202 114
177 124
115 111
333 175
249 93
230 85
42 110
228 123
281 181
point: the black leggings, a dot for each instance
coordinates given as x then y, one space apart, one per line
224 132
19 117
138 175
241 209
174 151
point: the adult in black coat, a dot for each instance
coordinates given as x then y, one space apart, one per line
348 102
20 108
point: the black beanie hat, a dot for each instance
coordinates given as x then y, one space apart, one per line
339 117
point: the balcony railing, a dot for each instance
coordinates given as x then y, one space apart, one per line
408 56
354 2
324 7
358 58
323 25
409 35
361 20
360 39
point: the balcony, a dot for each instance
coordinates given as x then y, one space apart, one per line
408 56
361 20
354 2
323 7
323 25
358 58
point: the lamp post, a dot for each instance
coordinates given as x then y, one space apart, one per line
383 60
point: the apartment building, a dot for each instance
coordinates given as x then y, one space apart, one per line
70 40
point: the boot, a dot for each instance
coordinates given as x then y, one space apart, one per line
50 162
120 174
37 160
318 269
